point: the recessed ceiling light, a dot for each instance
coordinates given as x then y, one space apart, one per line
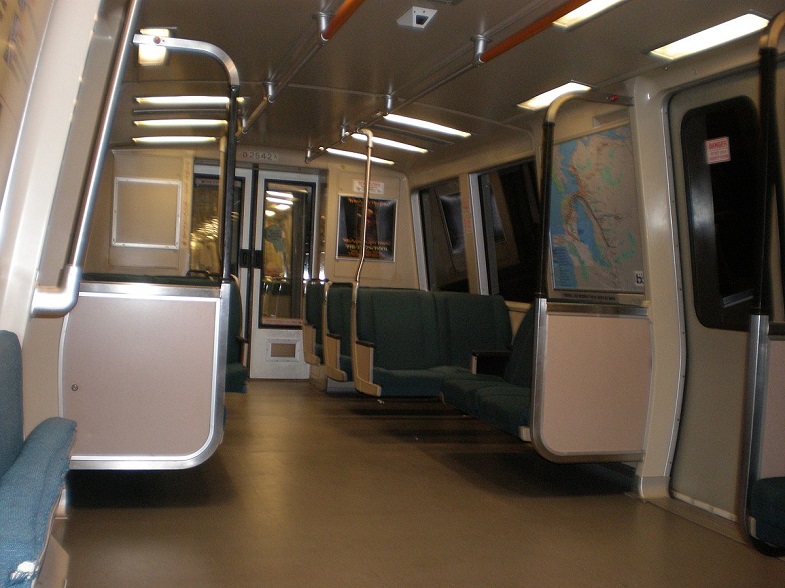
585 12
181 123
390 143
427 125
544 100
360 156
184 100
173 140
712 37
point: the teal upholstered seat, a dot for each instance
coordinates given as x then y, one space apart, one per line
466 392
767 507
236 372
339 323
314 300
32 474
421 339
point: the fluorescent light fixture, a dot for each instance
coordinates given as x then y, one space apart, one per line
283 207
544 100
181 122
390 143
183 100
269 213
150 55
277 194
712 37
427 125
585 12
360 156
173 140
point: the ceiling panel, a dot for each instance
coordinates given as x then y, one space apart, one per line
347 79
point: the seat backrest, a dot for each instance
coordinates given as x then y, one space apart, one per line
11 434
314 298
339 308
402 325
472 322
519 365
234 346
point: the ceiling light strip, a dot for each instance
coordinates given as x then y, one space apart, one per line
712 37
530 31
169 123
585 12
173 140
427 125
358 156
390 143
183 100
546 98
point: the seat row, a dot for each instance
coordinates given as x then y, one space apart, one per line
417 343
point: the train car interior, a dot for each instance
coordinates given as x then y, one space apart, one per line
394 293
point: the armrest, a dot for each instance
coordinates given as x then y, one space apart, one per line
309 345
489 362
29 495
331 350
362 364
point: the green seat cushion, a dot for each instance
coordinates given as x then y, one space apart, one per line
767 507
505 407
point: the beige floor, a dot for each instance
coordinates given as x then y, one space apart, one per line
316 490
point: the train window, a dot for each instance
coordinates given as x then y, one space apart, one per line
511 217
286 258
445 250
206 226
720 143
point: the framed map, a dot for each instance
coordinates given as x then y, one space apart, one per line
594 224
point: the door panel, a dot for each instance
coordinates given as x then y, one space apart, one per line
713 131
282 237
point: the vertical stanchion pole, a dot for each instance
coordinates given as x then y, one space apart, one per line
363 241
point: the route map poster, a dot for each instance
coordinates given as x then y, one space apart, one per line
594 224
380 233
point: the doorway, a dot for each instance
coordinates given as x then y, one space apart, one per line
713 129
272 257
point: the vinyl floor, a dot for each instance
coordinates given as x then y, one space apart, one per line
310 489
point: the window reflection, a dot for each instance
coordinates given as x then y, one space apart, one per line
286 232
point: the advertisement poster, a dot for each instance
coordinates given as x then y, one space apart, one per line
380 235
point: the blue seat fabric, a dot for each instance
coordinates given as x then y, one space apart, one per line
767 507
422 339
32 473
501 401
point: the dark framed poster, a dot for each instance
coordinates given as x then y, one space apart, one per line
380 235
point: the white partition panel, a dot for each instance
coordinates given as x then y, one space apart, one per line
141 373
594 378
